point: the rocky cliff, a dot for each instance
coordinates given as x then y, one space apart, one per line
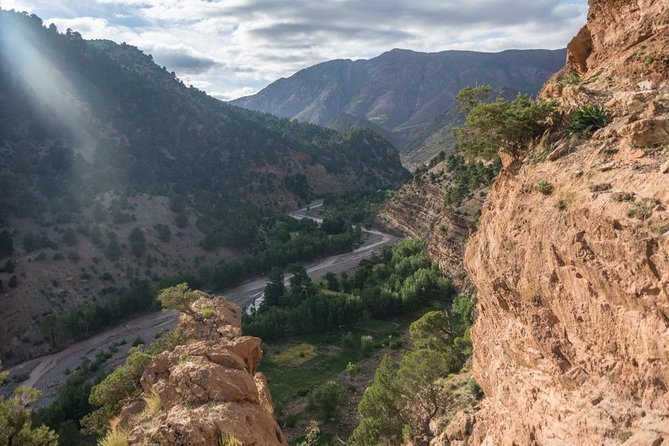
418 210
571 343
209 389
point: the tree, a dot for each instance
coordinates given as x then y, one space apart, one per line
332 282
15 419
382 422
180 298
113 250
275 289
137 242
70 237
492 125
328 398
432 330
6 243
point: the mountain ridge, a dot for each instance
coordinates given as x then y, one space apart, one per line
402 91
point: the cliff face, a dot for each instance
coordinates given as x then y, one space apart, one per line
209 389
571 343
418 210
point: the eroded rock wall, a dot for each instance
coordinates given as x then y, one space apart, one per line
209 388
571 343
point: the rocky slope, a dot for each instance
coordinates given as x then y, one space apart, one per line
401 91
209 388
418 210
571 343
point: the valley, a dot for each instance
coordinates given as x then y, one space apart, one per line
49 372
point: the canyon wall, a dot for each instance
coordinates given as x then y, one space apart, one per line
571 341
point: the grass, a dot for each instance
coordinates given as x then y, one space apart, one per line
588 119
114 438
228 440
295 366
153 403
544 187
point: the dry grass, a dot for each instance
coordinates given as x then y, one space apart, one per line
228 440
153 403
115 437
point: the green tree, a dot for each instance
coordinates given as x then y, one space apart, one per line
381 420
15 419
275 289
179 297
432 330
490 126
113 250
328 399
418 378
137 242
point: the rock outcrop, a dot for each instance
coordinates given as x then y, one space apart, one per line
209 388
571 343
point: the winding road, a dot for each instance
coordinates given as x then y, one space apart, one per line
47 373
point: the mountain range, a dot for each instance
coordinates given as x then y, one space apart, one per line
402 92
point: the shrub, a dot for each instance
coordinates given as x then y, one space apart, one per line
572 79
328 399
207 312
544 187
228 440
366 345
153 403
601 187
114 438
588 119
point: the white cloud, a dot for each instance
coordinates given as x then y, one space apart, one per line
235 47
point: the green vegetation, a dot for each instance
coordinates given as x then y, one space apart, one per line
15 422
588 118
358 208
137 242
178 297
467 177
545 187
114 437
292 241
404 398
572 79
168 140
396 282
492 125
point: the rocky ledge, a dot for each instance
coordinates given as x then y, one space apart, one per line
209 389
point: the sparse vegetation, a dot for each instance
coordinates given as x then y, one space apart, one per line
115 437
572 79
588 119
544 187
601 187
153 403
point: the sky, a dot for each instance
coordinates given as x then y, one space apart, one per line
232 48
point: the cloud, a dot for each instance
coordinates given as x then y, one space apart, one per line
182 61
236 47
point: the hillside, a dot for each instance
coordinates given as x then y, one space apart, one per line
114 173
401 91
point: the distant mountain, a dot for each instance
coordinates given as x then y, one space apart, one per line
105 155
400 91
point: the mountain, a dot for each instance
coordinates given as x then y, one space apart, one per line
113 172
401 91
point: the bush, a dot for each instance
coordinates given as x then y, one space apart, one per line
572 79
328 399
544 187
588 119
491 125
114 438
